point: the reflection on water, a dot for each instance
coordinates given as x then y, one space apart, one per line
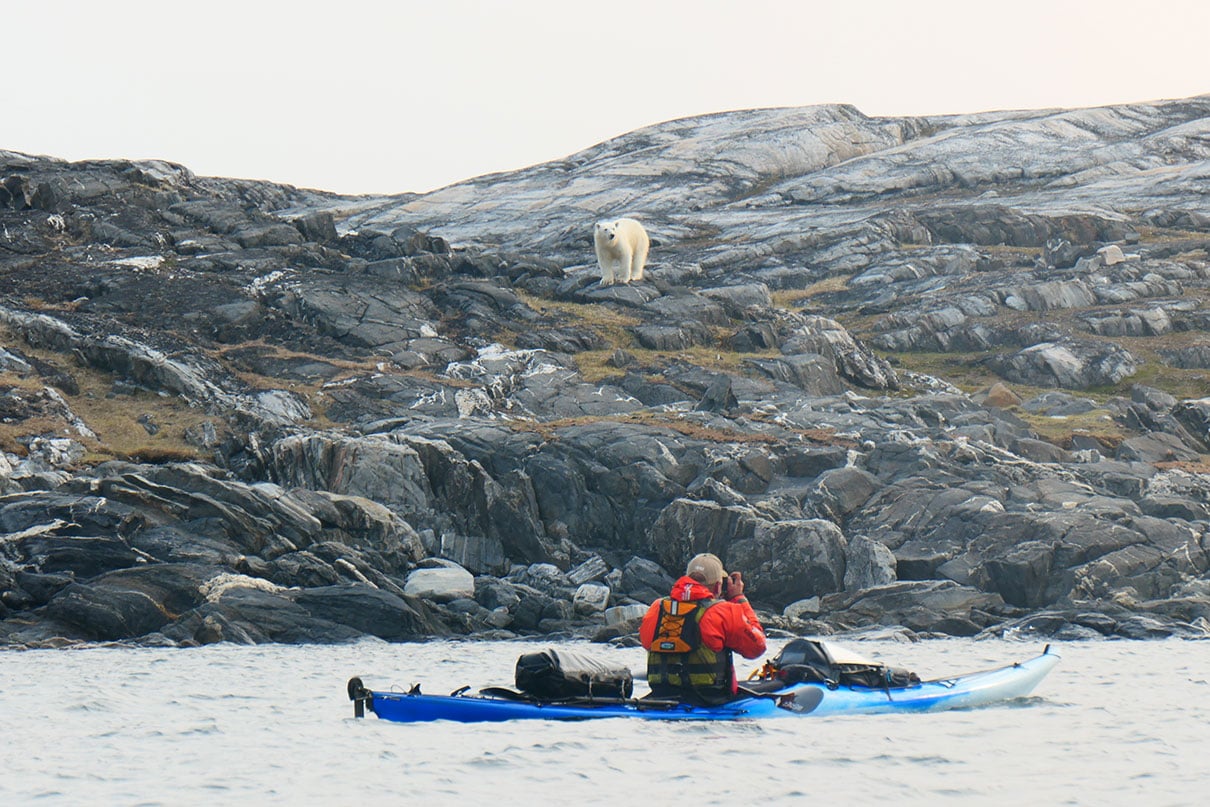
1114 723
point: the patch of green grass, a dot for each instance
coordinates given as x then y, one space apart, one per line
1155 372
1097 423
964 370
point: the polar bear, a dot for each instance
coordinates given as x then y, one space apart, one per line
621 250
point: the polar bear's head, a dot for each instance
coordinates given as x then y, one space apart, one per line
607 230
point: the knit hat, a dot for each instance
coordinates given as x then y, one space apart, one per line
706 568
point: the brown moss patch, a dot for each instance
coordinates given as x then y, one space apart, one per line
1199 467
791 298
613 325
112 417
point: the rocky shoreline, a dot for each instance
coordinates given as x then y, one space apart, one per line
939 376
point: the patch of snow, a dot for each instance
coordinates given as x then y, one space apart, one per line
214 588
472 402
141 263
259 284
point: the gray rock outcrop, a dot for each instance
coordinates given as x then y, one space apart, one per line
882 366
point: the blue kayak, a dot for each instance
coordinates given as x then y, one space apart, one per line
816 699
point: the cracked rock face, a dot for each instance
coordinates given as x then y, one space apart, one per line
238 411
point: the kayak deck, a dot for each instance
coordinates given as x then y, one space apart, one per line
963 691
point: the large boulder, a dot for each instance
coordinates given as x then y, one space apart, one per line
852 359
814 374
686 528
371 611
940 606
251 614
591 598
839 492
441 584
373 468
868 564
645 580
784 561
1070 364
1194 415
362 312
422 480
130 602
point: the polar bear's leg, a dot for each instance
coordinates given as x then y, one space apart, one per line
624 264
606 271
639 260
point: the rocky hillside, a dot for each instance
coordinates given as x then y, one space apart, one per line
944 373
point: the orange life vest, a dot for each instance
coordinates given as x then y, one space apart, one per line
678 663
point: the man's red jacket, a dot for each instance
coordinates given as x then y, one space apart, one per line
730 624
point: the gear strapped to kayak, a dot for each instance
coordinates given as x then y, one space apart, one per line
813 661
556 674
679 664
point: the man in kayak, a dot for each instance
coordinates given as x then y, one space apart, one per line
690 634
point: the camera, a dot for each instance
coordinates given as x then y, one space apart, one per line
726 583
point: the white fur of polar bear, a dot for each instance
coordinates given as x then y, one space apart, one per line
621 250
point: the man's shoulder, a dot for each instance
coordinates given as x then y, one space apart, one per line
706 601
721 608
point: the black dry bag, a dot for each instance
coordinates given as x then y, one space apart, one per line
556 674
809 661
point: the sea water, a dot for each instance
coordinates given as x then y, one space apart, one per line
1117 722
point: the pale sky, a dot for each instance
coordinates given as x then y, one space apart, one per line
386 96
